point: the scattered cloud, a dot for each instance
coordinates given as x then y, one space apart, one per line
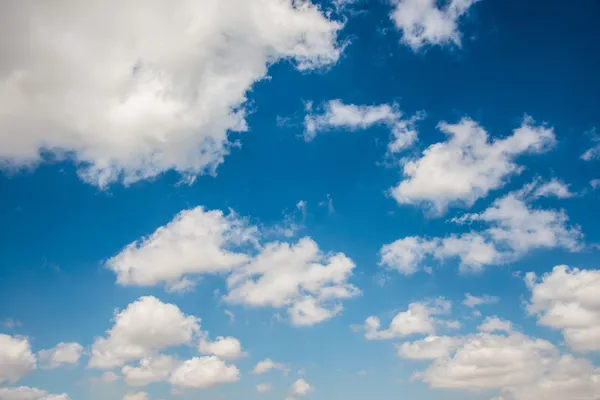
593 153
474 301
231 315
61 354
468 165
300 388
228 348
204 372
16 358
429 348
27 393
263 387
154 102
151 369
267 365
10 323
495 324
427 22
136 396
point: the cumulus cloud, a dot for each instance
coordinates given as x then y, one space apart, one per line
27 393
309 283
204 372
228 348
128 101
428 348
196 241
426 22
16 358
61 354
151 369
300 388
514 227
143 328
474 301
337 115
418 319
495 324
266 365
568 299
468 165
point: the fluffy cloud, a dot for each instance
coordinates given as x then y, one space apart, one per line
487 361
554 188
514 228
468 165
62 353
297 276
129 101
136 396
337 115
300 388
204 372
424 22
568 299
474 301
418 319
495 324
228 348
196 241
429 348
151 369
27 393
144 327
263 387
265 366
16 358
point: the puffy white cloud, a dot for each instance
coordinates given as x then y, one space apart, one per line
300 388
27 393
196 241
568 299
265 366
487 361
474 301
228 348
337 115
204 372
144 327
136 396
297 276
468 165
263 387
514 227
131 100
152 369
16 358
495 324
429 348
418 319
62 353
426 22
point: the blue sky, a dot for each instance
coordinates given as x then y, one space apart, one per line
189 190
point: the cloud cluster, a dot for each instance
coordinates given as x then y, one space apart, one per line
128 101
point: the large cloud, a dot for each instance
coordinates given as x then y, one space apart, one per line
468 165
568 299
141 87
16 358
143 328
425 22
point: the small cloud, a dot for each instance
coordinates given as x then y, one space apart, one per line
328 202
10 323
231 316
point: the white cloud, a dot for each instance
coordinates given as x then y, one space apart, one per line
568 299
474 301
136 396
495 324
418 319
204 372
62 353
593 153
196 241
423 22
486 361
514 228
131 100
106 377
228 348
468 165
152 369
27 393
337 115
297 276
300 388
266 365
144 327
429 348
263 387
554 188
231 315
16 358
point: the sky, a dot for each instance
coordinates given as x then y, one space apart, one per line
277 199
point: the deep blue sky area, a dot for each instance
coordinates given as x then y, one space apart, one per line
516 58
